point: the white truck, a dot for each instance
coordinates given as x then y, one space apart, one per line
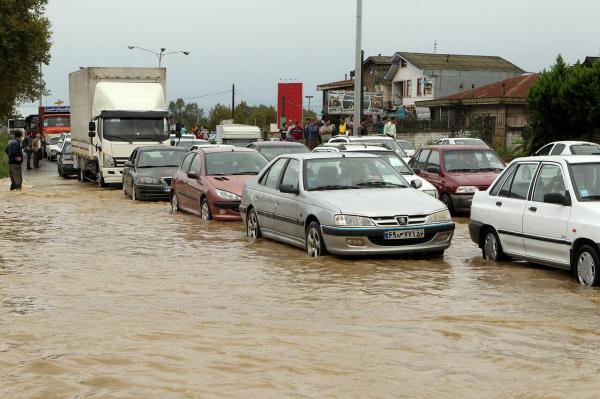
113 112
238 135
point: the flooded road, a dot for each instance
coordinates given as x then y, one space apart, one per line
102 297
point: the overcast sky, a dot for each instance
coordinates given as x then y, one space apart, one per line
255 43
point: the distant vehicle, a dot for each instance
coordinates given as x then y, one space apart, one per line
113 112
62 138
237 135
188 143
381 140
462 141
147 174
16 125
52 148
64 160
457 171
54 120
545 210
397 163
345 204
569 148
273 149
210 180
201 146
407 146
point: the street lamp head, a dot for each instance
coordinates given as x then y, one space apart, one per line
130 47
186 52
162 49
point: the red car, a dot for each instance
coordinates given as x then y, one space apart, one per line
210 181
457 171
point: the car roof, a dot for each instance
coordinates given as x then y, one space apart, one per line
572 142
216 148
366 147
455 147
571 159
329 155
161 147
277 144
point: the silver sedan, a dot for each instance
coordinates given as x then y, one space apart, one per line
343 203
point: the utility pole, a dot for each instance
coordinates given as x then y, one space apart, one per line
435 44
233 102
309 98
358 69
41 82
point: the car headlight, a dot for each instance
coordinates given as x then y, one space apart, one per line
349 220
108 161
440 217
227 195
148 180
466 190
433 193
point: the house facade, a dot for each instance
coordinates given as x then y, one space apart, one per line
417 77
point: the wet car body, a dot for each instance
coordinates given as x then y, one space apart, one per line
298 202
457 171
210 180
64 160
273 149
147 173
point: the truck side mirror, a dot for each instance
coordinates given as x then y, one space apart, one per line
92 129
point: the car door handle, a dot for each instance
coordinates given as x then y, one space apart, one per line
498 203
533 209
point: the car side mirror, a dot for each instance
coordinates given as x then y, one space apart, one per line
417 171
433 169
416 184
192 175
558 199
128 164
289 189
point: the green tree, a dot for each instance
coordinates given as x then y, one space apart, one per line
217 114
24 46
188 114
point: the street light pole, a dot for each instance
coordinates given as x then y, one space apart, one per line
358 69
162 54
309 98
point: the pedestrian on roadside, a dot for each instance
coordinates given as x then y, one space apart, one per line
283 132
290 129
37 150
363 127
342 128
195 131
298 132
15 159
312 134
326 131
390 128
26 144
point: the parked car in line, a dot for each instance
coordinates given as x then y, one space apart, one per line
392 158
273 149
188 143
210 181
407 146
382 140
52 148
345 204
147 173
201 146
457 172
462 141
569 148
545 210
62 138
64 160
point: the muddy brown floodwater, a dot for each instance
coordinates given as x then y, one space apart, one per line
101 297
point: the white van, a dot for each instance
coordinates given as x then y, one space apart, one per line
238 135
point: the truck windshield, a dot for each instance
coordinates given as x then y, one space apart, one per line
16 124
135 129
57 121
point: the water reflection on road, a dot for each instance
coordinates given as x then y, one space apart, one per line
101 297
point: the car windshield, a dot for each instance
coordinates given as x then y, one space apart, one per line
54 140
57 121
472 161
475 142
135 129
273 152
187 144
67 148
351 173
234 163
585 149
390 144
406 145
161 158
393 159
586 180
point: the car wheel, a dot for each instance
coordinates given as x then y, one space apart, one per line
134 194
60 173
491 247
445 198
586 266
205 210
315 245
174 203
252 227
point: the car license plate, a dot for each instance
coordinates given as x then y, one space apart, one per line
403 234
167 189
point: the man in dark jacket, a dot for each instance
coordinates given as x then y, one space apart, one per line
15 159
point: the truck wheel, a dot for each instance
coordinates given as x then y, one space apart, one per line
81 175
100 180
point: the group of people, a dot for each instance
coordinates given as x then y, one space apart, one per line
314 132
32 146
201 132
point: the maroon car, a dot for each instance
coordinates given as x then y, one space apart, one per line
210 181
457 171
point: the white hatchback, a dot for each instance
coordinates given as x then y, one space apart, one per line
569 148
545 210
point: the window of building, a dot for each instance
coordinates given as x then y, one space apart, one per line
419 87
409 88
